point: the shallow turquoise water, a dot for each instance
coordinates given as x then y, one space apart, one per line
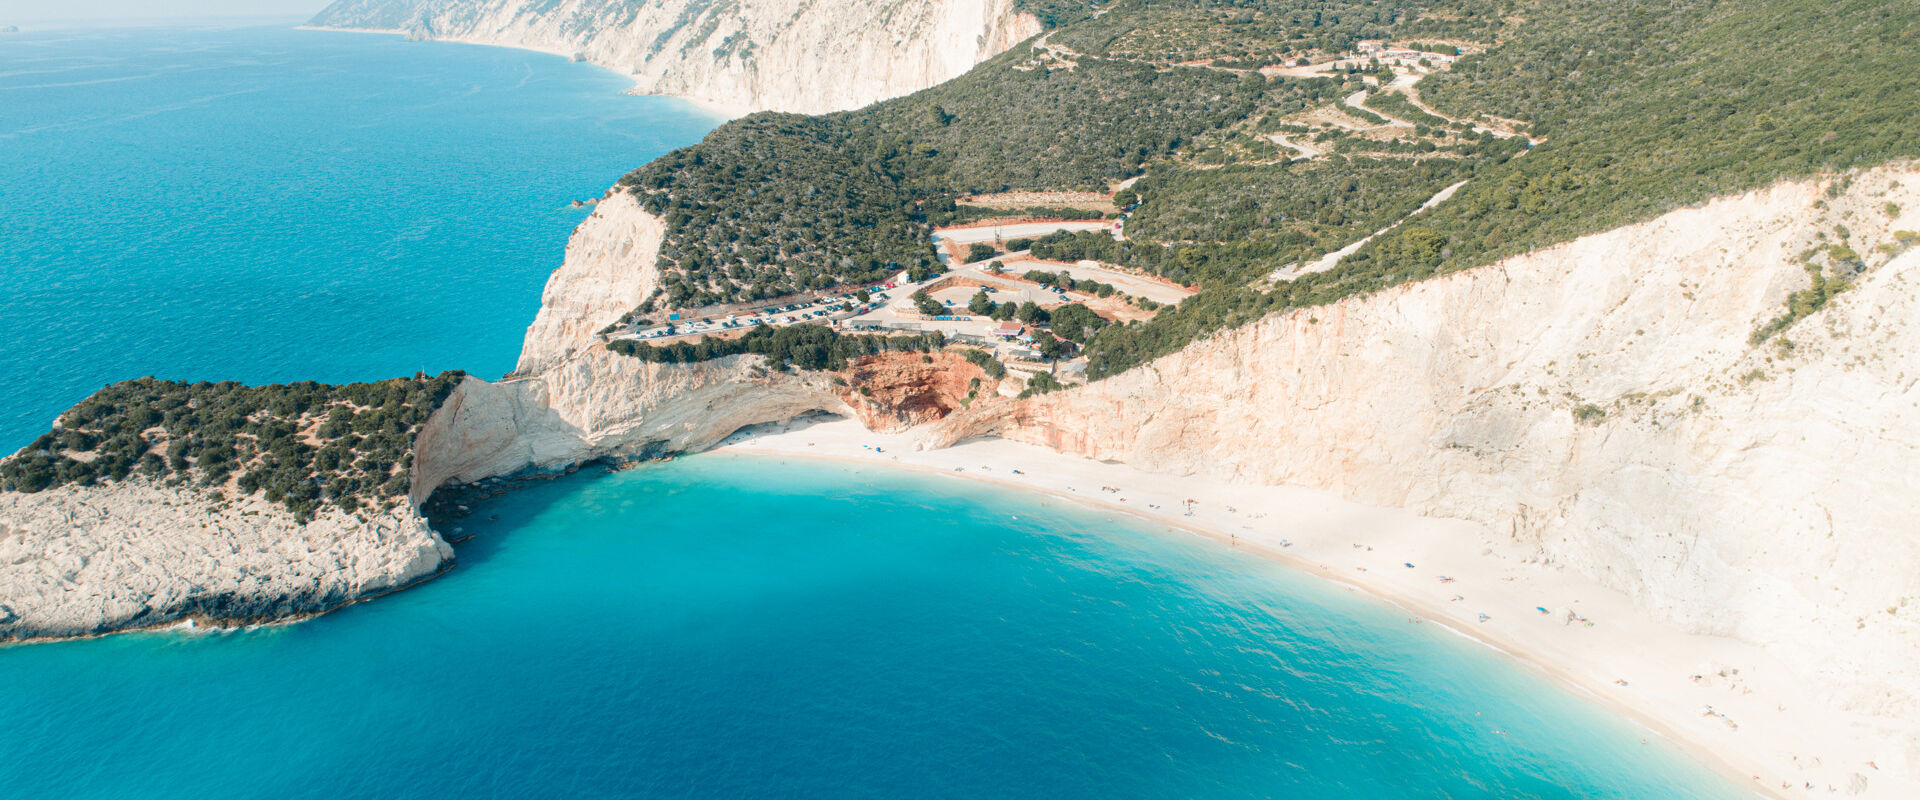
743 627
272 204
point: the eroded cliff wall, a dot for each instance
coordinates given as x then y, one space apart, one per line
596 404
609 269
807 56
79 561
1601 401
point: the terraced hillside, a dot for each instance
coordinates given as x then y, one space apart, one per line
1630 109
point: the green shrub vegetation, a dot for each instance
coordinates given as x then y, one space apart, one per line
939 213
1641 106
1067 282
1651 106
299 444
1251 33
986 362
1803 303
925 304
808 347
775 204
1396 105
1054 13
1291 211
1041 383
1074 322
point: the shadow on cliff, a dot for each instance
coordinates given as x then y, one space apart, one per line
477 534
498 510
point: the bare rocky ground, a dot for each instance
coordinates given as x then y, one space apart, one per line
83 561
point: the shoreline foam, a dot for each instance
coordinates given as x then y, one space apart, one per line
1769 732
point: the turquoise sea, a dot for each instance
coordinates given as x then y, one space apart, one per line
270 204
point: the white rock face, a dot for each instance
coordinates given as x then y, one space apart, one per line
807 56
1767 493
84 561
608 271
597 404
570 400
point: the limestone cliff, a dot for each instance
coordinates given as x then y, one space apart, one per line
80 561
806 56
596 404
609 269
1600 401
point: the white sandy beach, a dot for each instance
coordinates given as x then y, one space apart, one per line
1730 705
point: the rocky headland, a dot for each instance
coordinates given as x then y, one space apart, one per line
1600 406
84 561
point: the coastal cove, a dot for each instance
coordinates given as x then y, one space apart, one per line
1591 640
811 609
727 625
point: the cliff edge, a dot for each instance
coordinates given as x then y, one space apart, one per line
153 502
1655 408
83 561
1610 404
610 268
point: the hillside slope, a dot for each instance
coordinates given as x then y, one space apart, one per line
806 56
1603 403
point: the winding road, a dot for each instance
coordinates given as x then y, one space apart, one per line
1328 261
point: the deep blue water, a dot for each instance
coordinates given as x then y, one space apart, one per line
272 204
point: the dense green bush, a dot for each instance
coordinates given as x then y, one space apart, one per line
298 444
1074 322
1041 383
808 346
1251 33
1651 106
774 204
1396 105
948 212
1644 106
925 304
986 362
1069 283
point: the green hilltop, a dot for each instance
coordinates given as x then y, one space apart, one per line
1561 117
